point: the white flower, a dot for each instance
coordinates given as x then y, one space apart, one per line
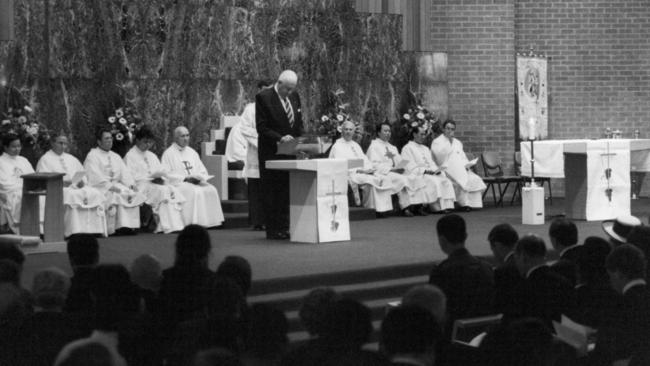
111 119
6 122
420 107
324 119
420 115
414 124
132 127
340 118
339 128
32 130
22 119
119 113
123 120
406 116
119 136
28 109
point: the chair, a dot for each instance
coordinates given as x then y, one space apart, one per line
542 180
467 329
494 176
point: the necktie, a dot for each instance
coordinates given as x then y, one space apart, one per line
289 110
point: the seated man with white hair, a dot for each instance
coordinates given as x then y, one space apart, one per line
377 188
84 205
108 173
202 205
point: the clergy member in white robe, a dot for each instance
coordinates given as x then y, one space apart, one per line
202 204
236 145
108 173
166 200
439 189
377 188
84 205
12 167
386 159
449 155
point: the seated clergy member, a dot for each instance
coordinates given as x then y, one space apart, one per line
84 205
385 159
12 167
448 153
165 200
439 189
378 187
108 173
202 205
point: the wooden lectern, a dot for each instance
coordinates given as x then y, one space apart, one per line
318 198
49 185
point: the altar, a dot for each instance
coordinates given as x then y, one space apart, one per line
597 172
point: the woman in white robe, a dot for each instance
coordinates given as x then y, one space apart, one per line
84 205
439 189
165 200
449 155
12 167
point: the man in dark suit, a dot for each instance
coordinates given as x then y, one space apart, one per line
279 120
466 280
563 234
507 281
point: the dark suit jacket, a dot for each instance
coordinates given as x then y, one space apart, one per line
594 304
272 122
566 265
507 281
468 283
78 299
184 292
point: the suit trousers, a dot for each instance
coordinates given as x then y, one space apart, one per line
275 198
255 206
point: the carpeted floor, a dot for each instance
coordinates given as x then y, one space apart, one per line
375 243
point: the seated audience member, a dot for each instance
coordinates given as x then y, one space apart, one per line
108 173
628 331
239 270
146 275
467 281
619 229
265 338
14 311
439 189
83 254
523 342
88 353
313 308
165 200
640 238
449 155
429 298
12 167
507 281
595 299
563 234
410 335
544 294
84 205
9 272
385 159
377 187
217 357
11 252
202 205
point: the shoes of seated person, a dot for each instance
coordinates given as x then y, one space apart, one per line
465 209
381 215
125 231
447 210
406 212
280 235
422 211
259 227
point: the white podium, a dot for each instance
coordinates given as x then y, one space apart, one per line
318 200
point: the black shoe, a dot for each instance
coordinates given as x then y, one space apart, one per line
381 215
280 235
406 212
466 208
125 231
259 227
422 211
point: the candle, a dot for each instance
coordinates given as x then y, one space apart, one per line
531 128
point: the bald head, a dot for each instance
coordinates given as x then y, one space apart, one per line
287 82
347 130
181 136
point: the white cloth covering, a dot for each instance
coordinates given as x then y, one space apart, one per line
11 189
249 131
236 145
439 189
165 200
377 188
84 207
449 155
107 170
202 205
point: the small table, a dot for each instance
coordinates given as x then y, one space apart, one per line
49 185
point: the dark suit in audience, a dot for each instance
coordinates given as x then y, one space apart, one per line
507 282
566 265
78 299
545 295
563 234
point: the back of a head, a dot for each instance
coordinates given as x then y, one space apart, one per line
348 324
13 307
628 260
146 272
86 354
216 357
531 246
266 335
226 298
313 308
564 231
12 252
50 288
113 293
504 234
452 227
9 272
192 246
409 330
239 269
591 261
430 298
83 250
640 237
526 341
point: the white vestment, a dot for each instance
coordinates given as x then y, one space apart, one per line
377 188
450 156
202 204
84 207
107 170
384 157
248 129
11 189
165 200
236 145
440 190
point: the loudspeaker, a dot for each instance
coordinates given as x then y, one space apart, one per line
6 20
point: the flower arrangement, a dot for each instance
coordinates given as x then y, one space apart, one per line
33 135
123 123
417 117
331 122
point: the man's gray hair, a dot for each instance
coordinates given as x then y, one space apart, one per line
288 77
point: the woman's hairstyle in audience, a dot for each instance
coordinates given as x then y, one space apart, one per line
9 272
83 250
266 333
526 341
590 262
348 324
453 228
504 234
86 354
627 260
564 231
12 252
216 357
239 269
146 272
193 246
144 132
531 246
50 288
409 330
8 139
314 305
430 298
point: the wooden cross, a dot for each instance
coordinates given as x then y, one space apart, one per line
188 167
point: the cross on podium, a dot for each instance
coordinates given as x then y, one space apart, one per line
334 225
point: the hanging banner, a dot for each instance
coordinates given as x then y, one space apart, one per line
532 93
